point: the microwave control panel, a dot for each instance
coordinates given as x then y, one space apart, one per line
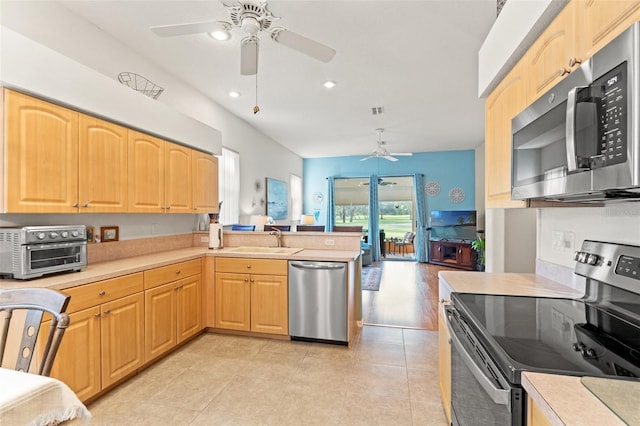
613 115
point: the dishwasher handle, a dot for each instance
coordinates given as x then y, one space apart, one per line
317 265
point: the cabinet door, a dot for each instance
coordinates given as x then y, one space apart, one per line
205 182
505 102
189 312
160 320
547 60
146 173
444 362
41 156
436 251
600 21
102 166
269 304
77 363
178 179
122 336
233 301
465 255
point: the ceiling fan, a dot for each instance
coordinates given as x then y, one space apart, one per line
381 151
381 182
252 17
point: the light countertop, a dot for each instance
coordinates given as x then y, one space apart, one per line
107 270
563 399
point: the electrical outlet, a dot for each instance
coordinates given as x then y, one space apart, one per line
154 228
567 241
329 242
557 238
204 239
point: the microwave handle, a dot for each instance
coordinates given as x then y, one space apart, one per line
572 106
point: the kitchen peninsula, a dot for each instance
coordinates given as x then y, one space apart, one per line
164 299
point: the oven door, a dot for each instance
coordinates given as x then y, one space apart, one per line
48 258
479 392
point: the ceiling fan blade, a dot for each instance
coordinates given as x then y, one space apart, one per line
249 56
303 44
367 158
402 154
185 29
390 158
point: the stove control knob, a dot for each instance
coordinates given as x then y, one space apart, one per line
64 234
576 255
41 235
592 259
589 352
582 258
578 346
74 233
53 235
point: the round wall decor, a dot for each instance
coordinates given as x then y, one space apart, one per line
317 197
456 195
432 188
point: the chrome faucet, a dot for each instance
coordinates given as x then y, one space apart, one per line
278 234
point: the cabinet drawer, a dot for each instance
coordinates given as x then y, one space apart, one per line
166 274
253 266
88 295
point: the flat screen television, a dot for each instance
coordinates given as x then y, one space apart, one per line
453 225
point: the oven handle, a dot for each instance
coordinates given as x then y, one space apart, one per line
498 395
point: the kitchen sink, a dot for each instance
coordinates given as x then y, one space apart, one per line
274 250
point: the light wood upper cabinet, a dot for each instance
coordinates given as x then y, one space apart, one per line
505 102
600 21
178 179
40 156
146 173
102 166
547 60
205 182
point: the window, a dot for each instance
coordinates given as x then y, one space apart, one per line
295 183
229 186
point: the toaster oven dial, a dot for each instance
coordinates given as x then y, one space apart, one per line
41 235
74 233
53 235
64 234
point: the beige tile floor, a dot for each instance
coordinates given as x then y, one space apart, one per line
388 377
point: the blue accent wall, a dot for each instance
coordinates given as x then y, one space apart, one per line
451 169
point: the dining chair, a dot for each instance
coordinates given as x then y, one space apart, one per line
32 303
284 228
347 229
310 228
407 240
238 227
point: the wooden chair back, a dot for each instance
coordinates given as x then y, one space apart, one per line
310 228
347 229
35 302
284 228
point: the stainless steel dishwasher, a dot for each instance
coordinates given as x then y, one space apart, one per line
318 301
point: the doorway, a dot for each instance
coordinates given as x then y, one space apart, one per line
397 209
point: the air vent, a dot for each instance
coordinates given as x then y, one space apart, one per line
377 110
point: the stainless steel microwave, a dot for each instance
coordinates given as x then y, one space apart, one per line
581 140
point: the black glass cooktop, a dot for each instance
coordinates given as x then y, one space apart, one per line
551 335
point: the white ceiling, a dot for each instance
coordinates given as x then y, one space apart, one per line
418 59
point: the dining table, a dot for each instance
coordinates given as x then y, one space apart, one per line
32 399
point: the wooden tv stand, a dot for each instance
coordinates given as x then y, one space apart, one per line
452 253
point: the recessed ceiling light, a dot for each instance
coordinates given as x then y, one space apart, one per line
234 94
222 33
329 84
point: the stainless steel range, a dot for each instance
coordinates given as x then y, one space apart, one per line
32 251
495 338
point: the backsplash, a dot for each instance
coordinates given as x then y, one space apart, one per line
103 252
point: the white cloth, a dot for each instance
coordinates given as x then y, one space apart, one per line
30 399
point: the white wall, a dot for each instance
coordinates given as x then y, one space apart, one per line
511 240
260 156
617 222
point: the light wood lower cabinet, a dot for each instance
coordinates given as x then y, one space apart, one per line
104 341
444 349
535 416
255 301
173 310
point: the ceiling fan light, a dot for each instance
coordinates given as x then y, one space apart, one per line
234 94
222 33
329 84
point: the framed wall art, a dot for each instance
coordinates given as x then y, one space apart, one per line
109 233
277 199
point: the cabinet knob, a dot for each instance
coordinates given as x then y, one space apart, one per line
168 207
162 207
97 315
246 280
178 272
248 266
102 293
85 205
107 312
252 280
563 71
75 205
574 61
